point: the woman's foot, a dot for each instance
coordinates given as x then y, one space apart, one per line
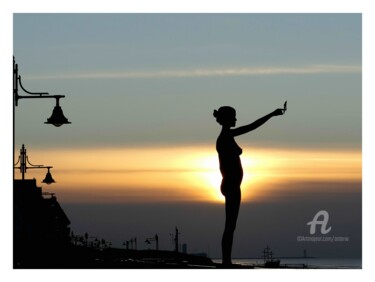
227 262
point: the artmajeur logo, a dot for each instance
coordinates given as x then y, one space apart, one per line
322 222
321 219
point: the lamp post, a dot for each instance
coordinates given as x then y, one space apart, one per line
57 118
23 160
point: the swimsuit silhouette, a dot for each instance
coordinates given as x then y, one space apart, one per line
231 169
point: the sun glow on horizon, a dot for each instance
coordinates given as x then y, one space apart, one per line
184 173
209 176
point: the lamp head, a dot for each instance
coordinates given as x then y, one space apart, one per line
48 179
57 118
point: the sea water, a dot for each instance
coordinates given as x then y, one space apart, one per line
312 263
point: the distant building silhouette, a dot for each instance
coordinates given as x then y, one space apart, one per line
184 248
39 221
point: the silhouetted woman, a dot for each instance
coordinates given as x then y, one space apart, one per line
231 169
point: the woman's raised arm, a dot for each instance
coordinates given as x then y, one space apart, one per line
254 125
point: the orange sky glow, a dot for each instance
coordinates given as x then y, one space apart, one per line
188 174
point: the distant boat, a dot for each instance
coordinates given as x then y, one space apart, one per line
269 260
272 264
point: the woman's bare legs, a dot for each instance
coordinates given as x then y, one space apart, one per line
232 207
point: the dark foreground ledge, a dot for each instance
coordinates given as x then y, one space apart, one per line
75 257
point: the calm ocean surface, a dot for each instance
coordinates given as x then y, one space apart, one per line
310 262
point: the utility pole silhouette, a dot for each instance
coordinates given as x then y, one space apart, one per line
176 240
156 239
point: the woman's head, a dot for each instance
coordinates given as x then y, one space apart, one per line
225 116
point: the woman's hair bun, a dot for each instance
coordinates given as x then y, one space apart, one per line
215 113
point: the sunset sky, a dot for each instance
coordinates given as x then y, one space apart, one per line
139 157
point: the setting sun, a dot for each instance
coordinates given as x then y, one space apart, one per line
185 173
208 175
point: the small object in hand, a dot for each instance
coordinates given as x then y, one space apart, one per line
285 106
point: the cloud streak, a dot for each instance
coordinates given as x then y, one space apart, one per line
199 73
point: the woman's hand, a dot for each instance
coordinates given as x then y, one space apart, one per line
278 112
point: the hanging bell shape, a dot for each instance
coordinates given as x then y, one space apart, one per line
57 118
48 179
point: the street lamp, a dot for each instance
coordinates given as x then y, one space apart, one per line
23 160
57 118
